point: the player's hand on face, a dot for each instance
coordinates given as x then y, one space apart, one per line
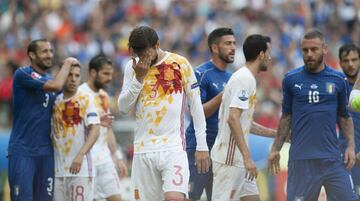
251 171
106 120
349 158
123 170
76 164
142 66
274 162
202 161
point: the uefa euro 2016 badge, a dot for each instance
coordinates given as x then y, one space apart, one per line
330 87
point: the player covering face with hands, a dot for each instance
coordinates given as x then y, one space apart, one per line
157 83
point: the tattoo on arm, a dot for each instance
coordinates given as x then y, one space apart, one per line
346 125
283 131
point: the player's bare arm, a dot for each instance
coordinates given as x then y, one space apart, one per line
346 125
237 133
106 120
261 130
282 134
60 78
212 105
117 156
94 132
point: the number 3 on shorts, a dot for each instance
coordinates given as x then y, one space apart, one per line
179 180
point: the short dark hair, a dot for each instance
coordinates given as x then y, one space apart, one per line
142 38
347 48
215 35
314 34
253 45
98 62
32 47
267 39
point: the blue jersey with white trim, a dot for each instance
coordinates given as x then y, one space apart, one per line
314 100
32 106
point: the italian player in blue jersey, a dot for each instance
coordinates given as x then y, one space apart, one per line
349 57
31 161
212 77
314 97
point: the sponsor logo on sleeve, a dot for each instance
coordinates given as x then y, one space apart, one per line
244 96
92 114
193 86
35 75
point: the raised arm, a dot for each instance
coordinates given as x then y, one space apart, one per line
58 82
134 75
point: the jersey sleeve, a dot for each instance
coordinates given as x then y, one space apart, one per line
31 80
130 91
201 78
241 92
343 101
91 115
191 88
287 97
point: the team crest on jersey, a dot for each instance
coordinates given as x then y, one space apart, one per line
330 87
244 96
35 75
313 86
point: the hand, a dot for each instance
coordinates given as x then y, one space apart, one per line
141 68
122 168
202 161
349 157
76 164
251 171
357 163
71 61
274 162
106 120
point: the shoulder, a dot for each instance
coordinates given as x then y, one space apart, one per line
294 72
337 74
176 58
25 70
203 69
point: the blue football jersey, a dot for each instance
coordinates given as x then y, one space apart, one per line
211 81
314 100
356 119
32 106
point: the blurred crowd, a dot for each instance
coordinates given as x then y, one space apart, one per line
85 28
